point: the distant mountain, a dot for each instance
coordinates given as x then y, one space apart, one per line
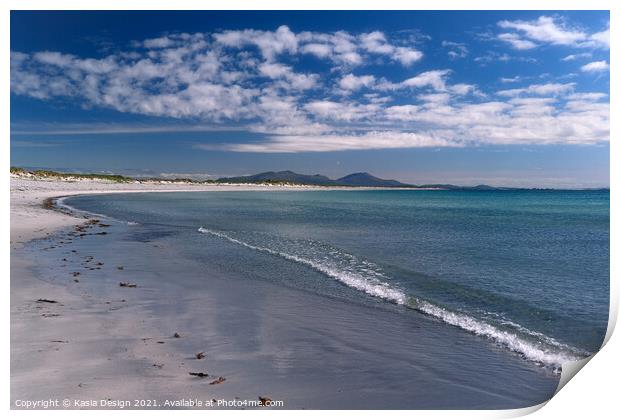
480 187
364 179
361 179
279 177
483 187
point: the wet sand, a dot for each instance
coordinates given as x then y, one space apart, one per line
101 341
82 346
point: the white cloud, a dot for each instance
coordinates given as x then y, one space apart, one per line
269 43
440 120
251 80
406 56
54 58
595 66
350 82
517 42
351 50
339 142
540 90
376 43
550 30
351 58
319 50
493 57
463 89
546 29
455 49
274 70
580 121
434 99
587 96
573 57
510 79
162 42
601 38
189 83
377 98
161 75
342 111
294 80
339 47
433 78
402 112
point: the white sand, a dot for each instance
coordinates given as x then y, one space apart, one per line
43 368
88 349
105 341
30 220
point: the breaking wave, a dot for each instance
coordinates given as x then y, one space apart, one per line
367 277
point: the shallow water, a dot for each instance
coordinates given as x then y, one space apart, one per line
429 292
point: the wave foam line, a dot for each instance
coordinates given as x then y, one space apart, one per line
357 281
60 203
531 350
540 349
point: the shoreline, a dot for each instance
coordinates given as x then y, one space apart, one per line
43 354
35 347
122 349
29 222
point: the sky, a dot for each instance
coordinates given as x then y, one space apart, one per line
507 98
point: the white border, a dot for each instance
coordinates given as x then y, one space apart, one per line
592 394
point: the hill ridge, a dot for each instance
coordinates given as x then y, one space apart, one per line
357 179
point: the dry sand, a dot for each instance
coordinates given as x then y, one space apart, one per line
29 220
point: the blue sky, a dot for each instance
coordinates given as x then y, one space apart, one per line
504 98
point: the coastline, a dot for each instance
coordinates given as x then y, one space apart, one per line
29 220
39 353
44 356
123 349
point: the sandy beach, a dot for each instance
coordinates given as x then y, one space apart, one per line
307 209
80 331
50 357
29 220
94 348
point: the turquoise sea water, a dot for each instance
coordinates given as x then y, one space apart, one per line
526 270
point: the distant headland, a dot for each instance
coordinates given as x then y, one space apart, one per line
358 179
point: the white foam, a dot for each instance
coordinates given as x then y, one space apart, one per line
60 203
539 348
536 352
369 285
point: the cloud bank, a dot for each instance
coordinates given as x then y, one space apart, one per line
260 81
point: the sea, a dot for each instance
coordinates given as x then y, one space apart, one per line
432 298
